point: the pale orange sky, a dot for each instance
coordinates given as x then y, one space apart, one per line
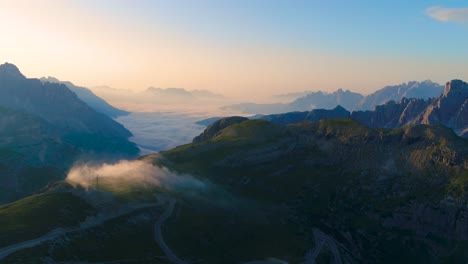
89 46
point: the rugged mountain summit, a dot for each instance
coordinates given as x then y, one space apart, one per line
89 98
449 109
420 90
10 71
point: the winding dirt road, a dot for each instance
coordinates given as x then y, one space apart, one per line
159 238
6 251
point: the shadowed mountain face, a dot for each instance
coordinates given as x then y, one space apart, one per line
45 127
89 98
56 104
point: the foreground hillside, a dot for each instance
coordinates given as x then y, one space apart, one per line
331 191
377 195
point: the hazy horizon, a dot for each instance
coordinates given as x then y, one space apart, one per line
246 49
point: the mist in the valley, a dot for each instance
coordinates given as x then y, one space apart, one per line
132 173
154 132
163 130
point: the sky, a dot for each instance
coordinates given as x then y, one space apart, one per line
241 48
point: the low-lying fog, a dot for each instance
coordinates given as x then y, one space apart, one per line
154 132
134 172
157 131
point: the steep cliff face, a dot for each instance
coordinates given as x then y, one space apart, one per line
450 109
393 114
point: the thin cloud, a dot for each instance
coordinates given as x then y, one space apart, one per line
457 15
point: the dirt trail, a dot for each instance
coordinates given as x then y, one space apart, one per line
6 251
159 238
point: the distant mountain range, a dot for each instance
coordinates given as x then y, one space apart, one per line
180 95
45 127
347 99
320 100
87 96
421 90
449 109
155 99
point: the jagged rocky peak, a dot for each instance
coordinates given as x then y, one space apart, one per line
9 70
455 88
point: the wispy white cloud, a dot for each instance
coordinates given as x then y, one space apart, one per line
458 15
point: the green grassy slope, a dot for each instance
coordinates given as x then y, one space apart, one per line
39 214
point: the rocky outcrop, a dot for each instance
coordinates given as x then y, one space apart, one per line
212 130
450 109
392 114
10 71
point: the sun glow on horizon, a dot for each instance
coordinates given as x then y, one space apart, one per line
93 44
